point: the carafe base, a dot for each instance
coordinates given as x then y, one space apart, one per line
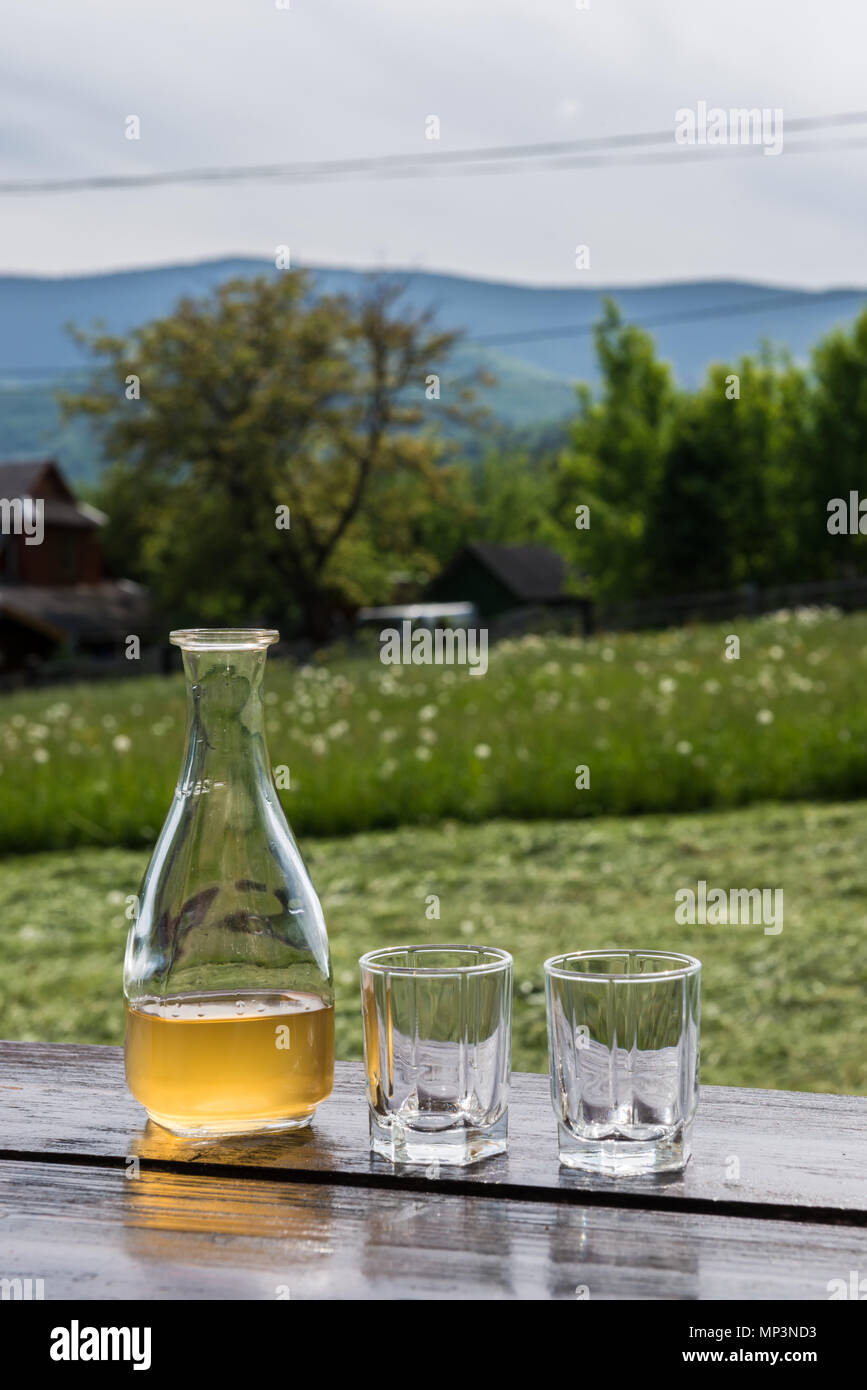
232 1126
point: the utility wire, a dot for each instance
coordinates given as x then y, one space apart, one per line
499 159
784 301
690 155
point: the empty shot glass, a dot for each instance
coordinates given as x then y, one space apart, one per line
437 1049
623 1045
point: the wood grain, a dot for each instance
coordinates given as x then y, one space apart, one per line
93 1233
800 1156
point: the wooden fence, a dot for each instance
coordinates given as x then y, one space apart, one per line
585 617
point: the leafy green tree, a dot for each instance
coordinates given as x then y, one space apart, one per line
688 539
614 461
721 487
837 450
512 498
727 504
271 451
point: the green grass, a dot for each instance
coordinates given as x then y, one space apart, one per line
778 1011
663 721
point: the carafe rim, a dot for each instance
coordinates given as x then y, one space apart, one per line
238 639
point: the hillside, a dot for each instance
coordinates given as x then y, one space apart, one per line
537 341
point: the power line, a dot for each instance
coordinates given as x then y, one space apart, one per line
499 159
791 301
679 156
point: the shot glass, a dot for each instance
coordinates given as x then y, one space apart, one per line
437 1049
623 1046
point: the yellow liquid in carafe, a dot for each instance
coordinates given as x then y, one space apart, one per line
230 1064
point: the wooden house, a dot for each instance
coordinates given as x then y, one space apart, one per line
56 594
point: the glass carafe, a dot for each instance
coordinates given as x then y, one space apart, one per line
227 977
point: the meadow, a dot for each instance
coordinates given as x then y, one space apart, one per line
783 1011
663 722
412 781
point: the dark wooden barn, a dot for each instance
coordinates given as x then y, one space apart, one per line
56 594
503 579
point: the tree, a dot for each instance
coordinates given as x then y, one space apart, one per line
723 486
727 501
258 436
837 447
614 460
688 538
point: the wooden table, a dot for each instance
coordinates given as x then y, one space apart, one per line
100 1204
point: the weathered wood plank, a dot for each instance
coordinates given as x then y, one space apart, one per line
94 1233
796 1152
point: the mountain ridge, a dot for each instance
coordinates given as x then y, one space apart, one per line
538 339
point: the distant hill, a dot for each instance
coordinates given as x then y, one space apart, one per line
533 350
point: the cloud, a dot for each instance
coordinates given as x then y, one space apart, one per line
241 82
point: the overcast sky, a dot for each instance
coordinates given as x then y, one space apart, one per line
217 82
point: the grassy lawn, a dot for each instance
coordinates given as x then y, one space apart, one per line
663 721
779 1011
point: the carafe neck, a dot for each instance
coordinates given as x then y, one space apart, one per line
225 720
